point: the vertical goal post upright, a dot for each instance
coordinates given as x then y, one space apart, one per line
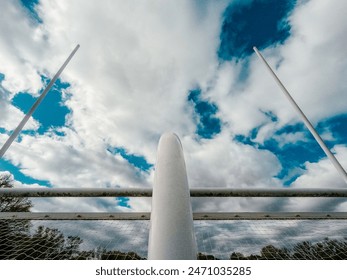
27 116
305 120
171 234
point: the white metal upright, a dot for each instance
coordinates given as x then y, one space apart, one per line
171 235
19 128
308 124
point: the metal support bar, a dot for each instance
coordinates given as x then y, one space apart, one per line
308 124
75 192
268 192
36 104
196 216
199 192
74 216
270 216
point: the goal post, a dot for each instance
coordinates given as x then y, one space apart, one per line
171 235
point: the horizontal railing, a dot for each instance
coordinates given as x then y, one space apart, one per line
196 216
196 192
144 192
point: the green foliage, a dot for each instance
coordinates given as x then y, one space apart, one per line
12 233
47 243
18 242
12 204
202 256
103 254
270 252
324 250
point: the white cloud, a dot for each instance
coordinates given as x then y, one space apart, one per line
72 166
130 80
323 173
310 63
20 49
320 174
223 163
291 137
10 116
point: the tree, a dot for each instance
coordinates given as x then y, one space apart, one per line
305 250
12 233
237 256
101 253
270 252
202 256
49 244
16 240
12 204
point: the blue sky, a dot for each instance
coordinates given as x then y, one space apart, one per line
193 73
51 113
260 24
30 5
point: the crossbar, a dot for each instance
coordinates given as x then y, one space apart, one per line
198 192
196 216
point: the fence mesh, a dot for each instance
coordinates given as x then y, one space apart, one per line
273 239
240 239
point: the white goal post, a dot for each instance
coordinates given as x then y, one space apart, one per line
171 235
171 219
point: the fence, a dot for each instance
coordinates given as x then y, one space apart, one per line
172 230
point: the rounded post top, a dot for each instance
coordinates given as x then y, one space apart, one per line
170 137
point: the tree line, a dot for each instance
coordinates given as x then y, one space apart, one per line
328 249
19 241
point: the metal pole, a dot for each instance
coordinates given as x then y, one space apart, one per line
308 124
144 216
36 104
171 235
196 192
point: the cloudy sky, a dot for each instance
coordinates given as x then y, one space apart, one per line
145 68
